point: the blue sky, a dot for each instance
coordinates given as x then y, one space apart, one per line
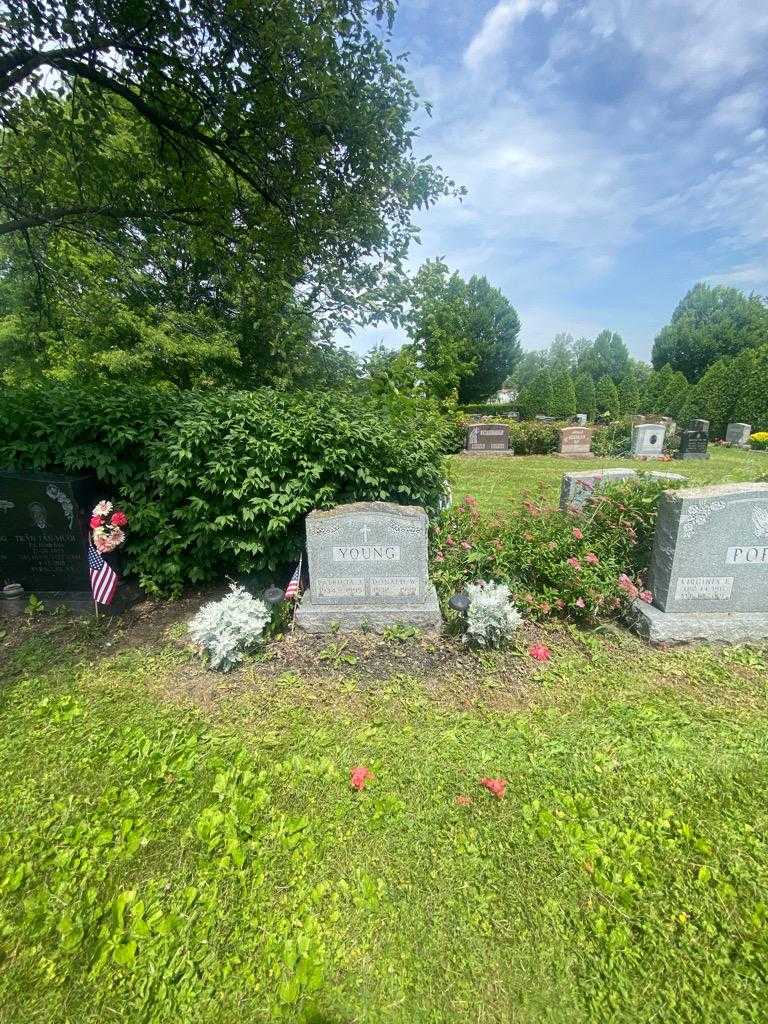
615 152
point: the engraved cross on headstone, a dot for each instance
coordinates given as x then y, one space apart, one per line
365 531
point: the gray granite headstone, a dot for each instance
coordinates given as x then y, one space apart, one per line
709 566
673 478
581 419
368 566
488 437
43 535
738 434
648 440
575 442
577 488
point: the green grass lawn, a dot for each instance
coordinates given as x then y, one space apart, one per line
177 845
497 481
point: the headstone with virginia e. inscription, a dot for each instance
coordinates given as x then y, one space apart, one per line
738 434
488 438
709 566
43 535
648 440
368 567
575 442
577 488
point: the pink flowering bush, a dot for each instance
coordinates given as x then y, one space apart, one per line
585 566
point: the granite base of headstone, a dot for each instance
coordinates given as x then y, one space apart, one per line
368 568
648 441
488 439
575 443
577 488
737 435
672 478
709 566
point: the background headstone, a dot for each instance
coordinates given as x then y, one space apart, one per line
368 566
738 434
694 442
488 437
581 419
575 442
577 488
648 440
709 566
43 535
670 477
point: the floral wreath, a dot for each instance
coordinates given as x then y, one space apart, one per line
106 525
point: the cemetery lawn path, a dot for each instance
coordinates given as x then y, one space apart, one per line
496 482
181 846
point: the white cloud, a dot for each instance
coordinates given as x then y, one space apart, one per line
739 110
497 28
748 276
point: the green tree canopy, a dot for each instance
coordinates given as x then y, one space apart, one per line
465 333
563 401
629 395
607 396
584 387
252 168
708 323
606 356
536 399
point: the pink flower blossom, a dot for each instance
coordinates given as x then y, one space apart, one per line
560 603
469 499
540 652
450 541
579 602
574 563
439 557
592 559
466 545
359 776
629 588
646 595
545 607
577 534
496 786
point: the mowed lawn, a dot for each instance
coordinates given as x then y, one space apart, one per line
180 846
497 481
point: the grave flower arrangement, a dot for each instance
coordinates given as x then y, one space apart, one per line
107 525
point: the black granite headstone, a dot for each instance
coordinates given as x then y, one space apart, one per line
44 535
693 444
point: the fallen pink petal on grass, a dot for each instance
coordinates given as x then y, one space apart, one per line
496 786
540 652
359 776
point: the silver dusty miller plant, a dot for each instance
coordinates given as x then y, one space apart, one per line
229 628
491 616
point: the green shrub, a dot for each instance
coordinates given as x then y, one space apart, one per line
613 440
531 437
489 409
219 483
586 566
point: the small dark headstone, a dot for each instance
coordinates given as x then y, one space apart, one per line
693 443
44 534
488 437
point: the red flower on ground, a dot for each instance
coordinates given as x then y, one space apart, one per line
359 776
574 562
463 801
119 518
540 652
96 521
592 559
495 786
577 534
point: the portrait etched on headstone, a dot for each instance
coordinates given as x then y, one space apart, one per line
488 438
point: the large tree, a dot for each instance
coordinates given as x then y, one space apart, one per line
607 355
465 333
708 323
264 154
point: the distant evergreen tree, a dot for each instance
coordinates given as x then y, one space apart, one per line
539 394
585 395
629 396
607 396
563 401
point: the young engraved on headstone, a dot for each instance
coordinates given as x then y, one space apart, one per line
575 443
738 434
488 438
709 566
648 440
368 566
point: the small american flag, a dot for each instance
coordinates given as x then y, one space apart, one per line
292 589
103 577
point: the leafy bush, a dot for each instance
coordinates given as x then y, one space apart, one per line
227 629
219 483
586 565
491 616
490 409
532 437
613 440
759 440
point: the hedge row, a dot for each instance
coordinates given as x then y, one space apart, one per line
218 483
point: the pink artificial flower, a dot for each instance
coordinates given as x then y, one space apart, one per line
96 522
646 595
463 801
577 534
592 559
540 652
119 518
359 776
495 786
106 542
574 563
